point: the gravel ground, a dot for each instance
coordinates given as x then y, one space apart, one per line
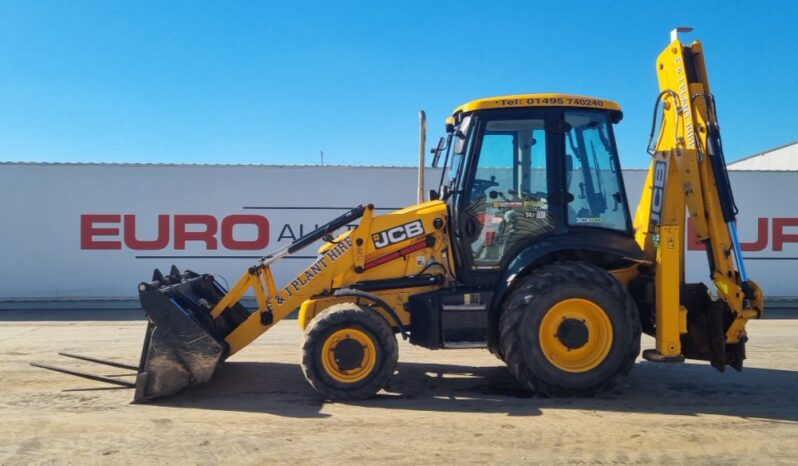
455 406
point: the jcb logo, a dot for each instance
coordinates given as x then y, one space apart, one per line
657 194
398 234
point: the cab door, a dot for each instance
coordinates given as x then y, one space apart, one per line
501 203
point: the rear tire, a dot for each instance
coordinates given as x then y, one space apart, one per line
349 353
569 328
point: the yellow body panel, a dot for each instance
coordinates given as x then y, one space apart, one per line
412 265
395 298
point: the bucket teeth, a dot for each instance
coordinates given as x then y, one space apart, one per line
175 273
157 276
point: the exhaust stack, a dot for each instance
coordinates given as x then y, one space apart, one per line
422 148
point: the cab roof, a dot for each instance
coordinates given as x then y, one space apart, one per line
537 100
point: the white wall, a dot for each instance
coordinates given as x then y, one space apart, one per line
761 197
41 208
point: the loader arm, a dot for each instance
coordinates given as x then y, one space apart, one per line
688 175
273 304
195 324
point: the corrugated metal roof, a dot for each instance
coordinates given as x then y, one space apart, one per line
199 165
782 158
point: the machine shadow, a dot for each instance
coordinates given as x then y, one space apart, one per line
255 387
685 390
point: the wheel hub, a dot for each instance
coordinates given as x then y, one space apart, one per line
573 333
348 354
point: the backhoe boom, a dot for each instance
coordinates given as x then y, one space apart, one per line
688 174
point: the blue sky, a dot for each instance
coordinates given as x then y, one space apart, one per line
264 82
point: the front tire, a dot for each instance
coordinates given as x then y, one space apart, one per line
349 353
569 328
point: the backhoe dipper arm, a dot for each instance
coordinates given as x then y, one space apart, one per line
688 172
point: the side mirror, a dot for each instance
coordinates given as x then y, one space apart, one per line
437 151
434 195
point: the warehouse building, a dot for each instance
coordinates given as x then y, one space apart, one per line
91 232
781 158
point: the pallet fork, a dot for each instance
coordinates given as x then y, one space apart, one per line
86 375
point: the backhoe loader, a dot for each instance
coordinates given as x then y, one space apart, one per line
527 249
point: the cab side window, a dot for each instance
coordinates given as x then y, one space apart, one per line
593 173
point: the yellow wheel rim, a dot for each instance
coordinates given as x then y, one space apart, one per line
576 335
348 371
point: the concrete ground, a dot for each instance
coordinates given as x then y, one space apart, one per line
456 406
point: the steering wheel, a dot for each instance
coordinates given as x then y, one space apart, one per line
527 196
480 186
537 196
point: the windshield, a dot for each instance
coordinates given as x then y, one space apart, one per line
592 172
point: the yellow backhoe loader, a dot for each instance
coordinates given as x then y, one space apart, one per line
527 248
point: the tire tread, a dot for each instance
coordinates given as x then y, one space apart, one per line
544 280
341 315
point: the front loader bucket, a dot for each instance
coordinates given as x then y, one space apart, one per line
183 345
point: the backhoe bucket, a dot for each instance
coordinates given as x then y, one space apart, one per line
183 345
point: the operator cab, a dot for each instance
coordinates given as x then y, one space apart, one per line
521 169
